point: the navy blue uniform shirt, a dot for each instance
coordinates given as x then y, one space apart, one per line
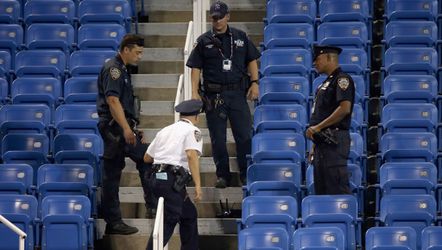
337 87
114 80
207 55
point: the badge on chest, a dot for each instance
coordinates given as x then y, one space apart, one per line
325 85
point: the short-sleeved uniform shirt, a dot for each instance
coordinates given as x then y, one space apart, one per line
171 143
337 87
114 80
211 49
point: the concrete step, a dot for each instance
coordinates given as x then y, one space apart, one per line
155 87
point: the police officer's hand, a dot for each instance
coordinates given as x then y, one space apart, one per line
253 92
310 131
198 194
129 136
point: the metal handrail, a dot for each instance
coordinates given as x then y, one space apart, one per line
179 96
21 235
158 227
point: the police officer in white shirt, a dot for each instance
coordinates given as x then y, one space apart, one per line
174 152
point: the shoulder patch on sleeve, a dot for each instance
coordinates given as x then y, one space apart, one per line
343 83
197 135
115 73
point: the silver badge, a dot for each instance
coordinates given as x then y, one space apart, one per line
115 73
343 83
325 85
197 135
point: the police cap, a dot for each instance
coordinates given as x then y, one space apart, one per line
218 10
189 107
325 49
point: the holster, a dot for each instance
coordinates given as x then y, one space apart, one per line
326 136
182 177
207 103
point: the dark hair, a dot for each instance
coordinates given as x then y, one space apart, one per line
130 40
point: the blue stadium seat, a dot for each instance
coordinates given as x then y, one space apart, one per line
333 211
416 211
432 238
410 33
291 11
360 97
76 118
88 62
49 11
44 90
66 222
50 36
24 118
400 147
40 63
269 211
398 238
9 11
357 149
11 37
411 10
278 147
284 90
286 62
4 91
319 238
332 11
410 88
81 89
343 34
358 124
353 61
280 118
21 210
100 36
288 35
408 178
5 64
263 238
411 61
110 11
16 179
412 117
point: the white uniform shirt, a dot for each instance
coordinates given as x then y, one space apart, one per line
171 143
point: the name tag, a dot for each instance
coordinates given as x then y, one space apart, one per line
161 176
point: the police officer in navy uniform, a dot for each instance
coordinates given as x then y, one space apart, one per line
175 153
117 120
228 61
331 112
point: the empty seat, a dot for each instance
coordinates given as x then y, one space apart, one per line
81 89
24 118
284 90
263 238
411 9
412 117
40 63
50 36
291 11
4 91
358 125
410 33
100 36
411 61
16 178
320 238
353 61
332 11
288 35
343 34
400 238
286 62
357 149
9 11
431 238
5 64
44 90
280 118
11 37
21 210
111 11
419 146
76 118
88 62
278 147
65 220
49 11
410 88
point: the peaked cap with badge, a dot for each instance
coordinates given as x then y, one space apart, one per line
219 10
325 49
189 107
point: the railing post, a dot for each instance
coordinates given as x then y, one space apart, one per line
158 226
21 235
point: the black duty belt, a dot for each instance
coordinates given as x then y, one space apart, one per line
165 167
217 88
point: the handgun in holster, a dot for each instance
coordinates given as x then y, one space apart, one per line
207 103
326 136
182 177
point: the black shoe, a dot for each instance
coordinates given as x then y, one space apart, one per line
120 228
221 183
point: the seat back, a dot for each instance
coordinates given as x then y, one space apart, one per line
15 178
411 61
278 147
110 11
26 142
384 237
11 37
431 238
78 142
263 238
33 118
411 9
5 63
288 35
81 89
49 11
291 11
353 61
419 146
280 118
9 11
50 36
330 10
357 119
88 62
343 34
76 118
410 33
286 62
4 91
413 117
410 88
284 90
40 63
100 36
319 238
45 90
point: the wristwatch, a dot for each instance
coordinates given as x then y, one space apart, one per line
254 81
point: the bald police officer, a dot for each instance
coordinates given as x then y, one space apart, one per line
117 120
226 57
175 153
331 114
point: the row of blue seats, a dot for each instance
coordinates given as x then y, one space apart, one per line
398 237
60 36
61 222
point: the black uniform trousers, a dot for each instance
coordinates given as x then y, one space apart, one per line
113 164
178 208
236 109
330 165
